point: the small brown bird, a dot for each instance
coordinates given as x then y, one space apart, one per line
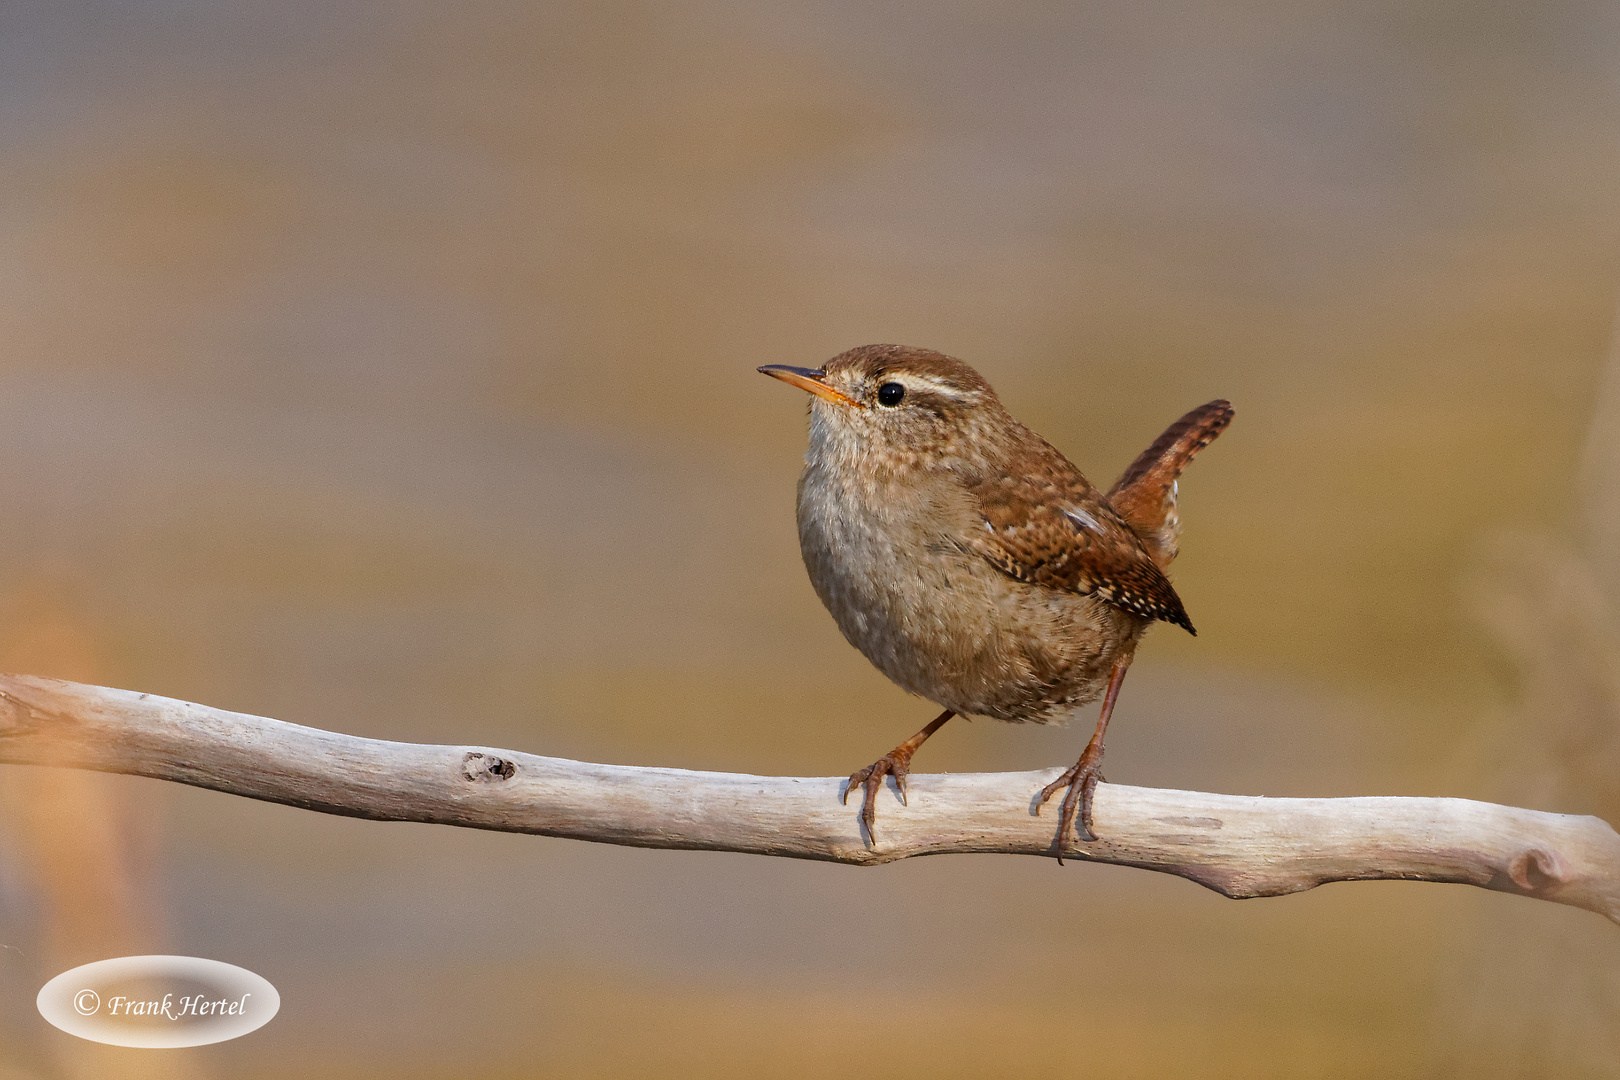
970 561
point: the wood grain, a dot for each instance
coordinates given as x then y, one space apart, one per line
1240 846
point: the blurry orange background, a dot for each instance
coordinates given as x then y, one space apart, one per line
388 367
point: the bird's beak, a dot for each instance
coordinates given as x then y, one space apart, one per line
811 379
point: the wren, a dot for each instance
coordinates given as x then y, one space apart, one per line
971 562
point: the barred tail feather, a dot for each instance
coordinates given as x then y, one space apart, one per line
1145 494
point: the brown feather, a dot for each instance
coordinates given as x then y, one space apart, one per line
1145 494
1046 525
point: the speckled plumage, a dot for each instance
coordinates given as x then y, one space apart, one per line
941 545
967 558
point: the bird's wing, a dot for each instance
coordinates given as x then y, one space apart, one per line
1044 524
1145 494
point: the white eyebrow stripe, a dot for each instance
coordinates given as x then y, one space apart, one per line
1083 519
924 382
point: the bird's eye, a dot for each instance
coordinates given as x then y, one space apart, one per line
890 394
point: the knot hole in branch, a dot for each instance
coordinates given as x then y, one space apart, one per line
487 768
1535 869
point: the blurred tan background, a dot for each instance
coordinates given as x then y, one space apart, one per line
388 367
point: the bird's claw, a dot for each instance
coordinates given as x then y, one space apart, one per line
1081 780
896 763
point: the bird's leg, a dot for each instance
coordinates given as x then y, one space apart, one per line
1082 779
896 763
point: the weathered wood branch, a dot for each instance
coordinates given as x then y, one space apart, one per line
1240 846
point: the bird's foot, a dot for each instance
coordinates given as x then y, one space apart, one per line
896 763
1081 780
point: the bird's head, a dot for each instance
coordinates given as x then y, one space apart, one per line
917 405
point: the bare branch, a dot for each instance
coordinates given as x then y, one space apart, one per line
1240 846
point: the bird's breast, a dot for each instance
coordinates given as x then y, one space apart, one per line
886 554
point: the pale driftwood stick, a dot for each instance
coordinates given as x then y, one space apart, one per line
1240 846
